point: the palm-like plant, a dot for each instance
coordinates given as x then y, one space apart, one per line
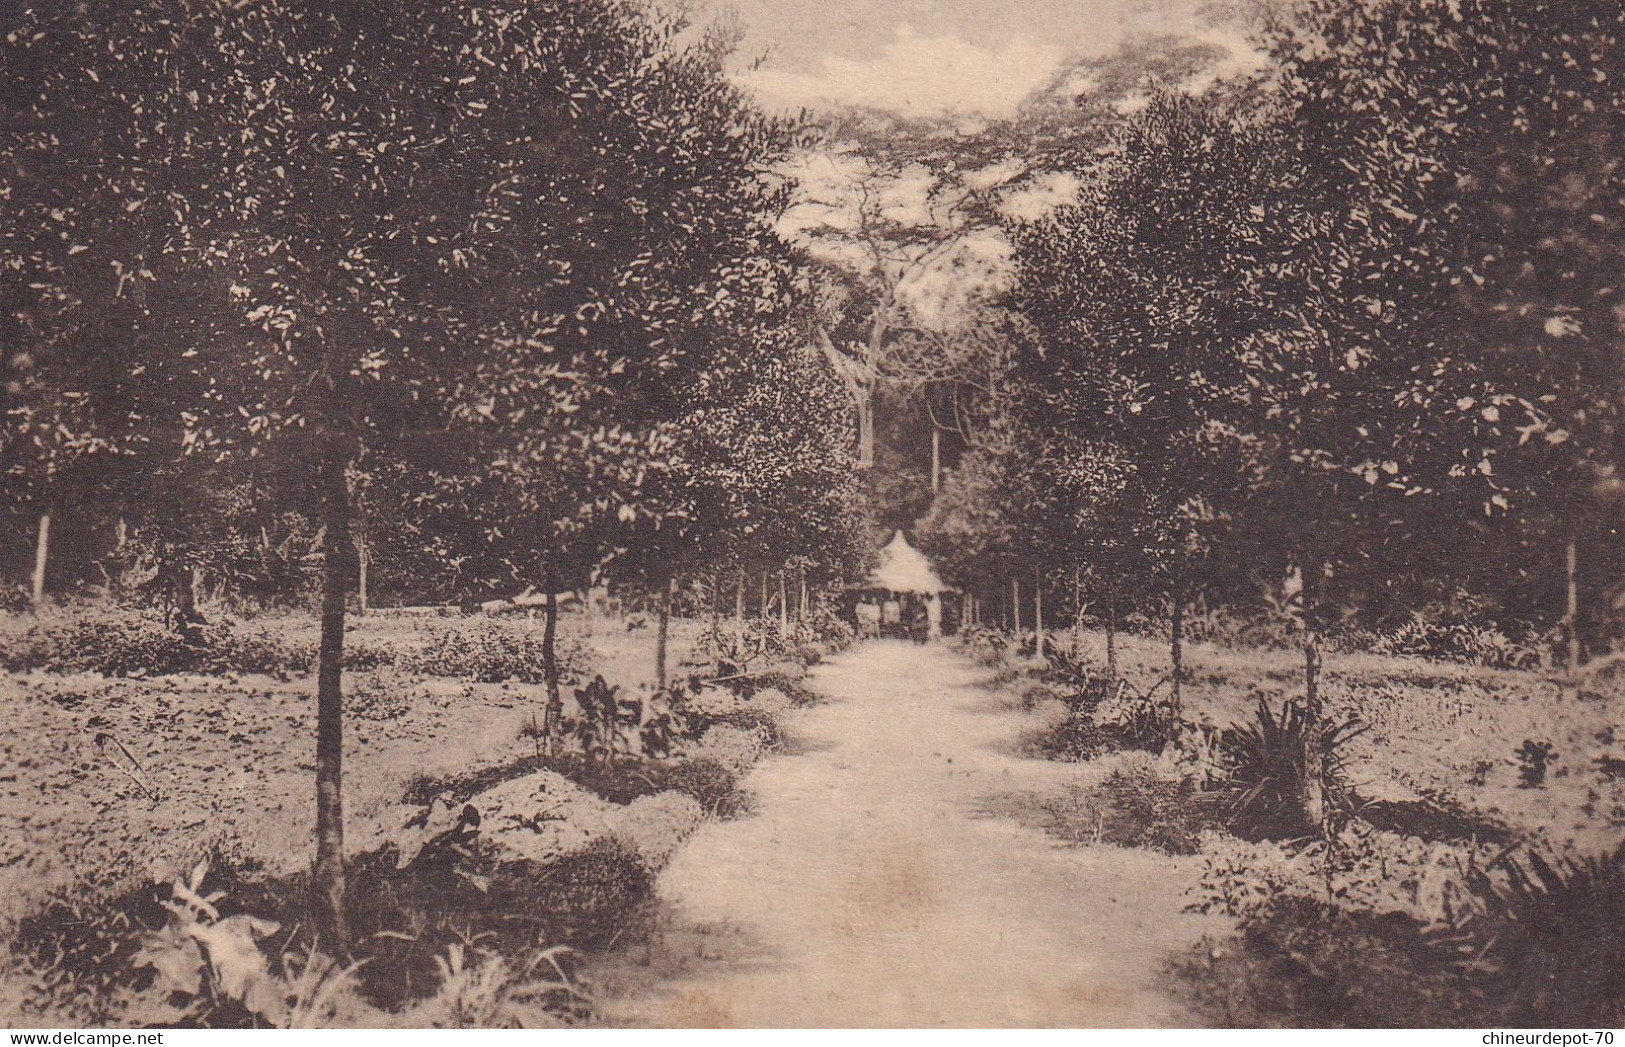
1550 930
1266 766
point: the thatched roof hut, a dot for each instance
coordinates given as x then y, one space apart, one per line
904 591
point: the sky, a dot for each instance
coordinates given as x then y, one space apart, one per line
927 57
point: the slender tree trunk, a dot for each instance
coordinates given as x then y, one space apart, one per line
554 719
1015 605
1314 778
801 578
42 552
716 604
327 883
363 554
1077 605
866 427
739 611
1111 631
1038 614
1571 617
121 539
663 634
1176 648
936 459
183 588
784 607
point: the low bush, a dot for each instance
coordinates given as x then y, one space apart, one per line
986 644
462 935
119 642
1304 964
1122 719
715 787
486 650
1446 934
756 721
1463 630
1136 805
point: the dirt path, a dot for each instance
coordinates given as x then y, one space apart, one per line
872 888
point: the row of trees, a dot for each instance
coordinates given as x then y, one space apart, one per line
1354 330
502 276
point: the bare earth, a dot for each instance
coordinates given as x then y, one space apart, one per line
873 887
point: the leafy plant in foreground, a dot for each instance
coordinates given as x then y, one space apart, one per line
1551 931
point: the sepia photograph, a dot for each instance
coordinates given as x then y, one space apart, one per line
769 514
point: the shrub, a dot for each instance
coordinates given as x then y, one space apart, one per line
1081 684
1123 720
485 650
1265 763
986 644
1461 630
1303 963
118 642
714 786
608 722
825 625
1550 930
1136 805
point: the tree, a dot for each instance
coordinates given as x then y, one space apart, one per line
1139 294
912 258
380 233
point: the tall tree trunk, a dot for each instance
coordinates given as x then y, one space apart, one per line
1077 605
763 606
801 578
866 427
1176 648
664 632
1015 607
121 539
1571 617
182 583
936 459
1111 631
716 605
363 554
1314 778
739 612
327 883
553 721
784 607
1038 614
42 552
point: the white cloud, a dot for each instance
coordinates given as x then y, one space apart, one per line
918 75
